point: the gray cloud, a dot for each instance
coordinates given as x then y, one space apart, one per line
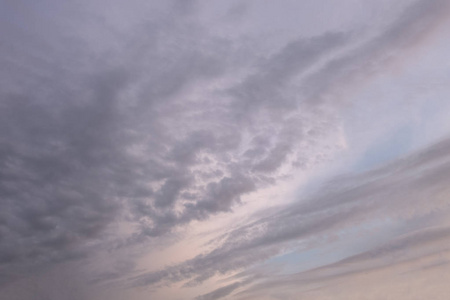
67 168
114 128
351 70
220 292
389 191
99 133
408 250
406 189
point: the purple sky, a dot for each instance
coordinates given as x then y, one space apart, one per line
224 149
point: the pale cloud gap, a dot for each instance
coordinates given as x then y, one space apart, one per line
154 127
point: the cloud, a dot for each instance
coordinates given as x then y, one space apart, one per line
117 132
387 192
68 136
220 292
341 76
420 250
153 127
404 190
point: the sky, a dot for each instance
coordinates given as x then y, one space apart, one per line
224 149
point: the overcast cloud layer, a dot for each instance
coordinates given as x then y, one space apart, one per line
224 149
